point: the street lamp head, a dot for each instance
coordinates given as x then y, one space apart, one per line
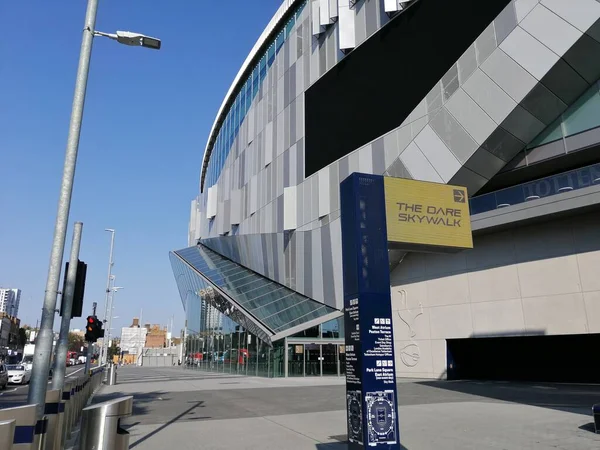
137 39
109 230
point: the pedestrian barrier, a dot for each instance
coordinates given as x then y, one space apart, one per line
101 425
52 410
7 434
39 438
62 413
69 398
25 426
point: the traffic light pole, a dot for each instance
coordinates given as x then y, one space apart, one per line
58 376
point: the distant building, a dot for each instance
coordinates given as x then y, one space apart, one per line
133 338
9 301
9 332
4 332
156 336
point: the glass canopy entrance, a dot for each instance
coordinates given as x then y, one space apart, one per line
238 321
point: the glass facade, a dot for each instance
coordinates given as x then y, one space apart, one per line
583 115
234 314
269 305
230 125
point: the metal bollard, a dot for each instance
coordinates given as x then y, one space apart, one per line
52 412
101 425
112 375
25 422
7 434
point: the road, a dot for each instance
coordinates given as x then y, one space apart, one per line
16 395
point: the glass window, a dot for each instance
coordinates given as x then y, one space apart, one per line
584 114
550 134
271 55
289 26
333 329
238 109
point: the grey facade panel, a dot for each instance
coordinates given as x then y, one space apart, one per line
503 144
505 22
579 57
544 152
371 16
328 285
293 121
378 154
565 82
308 262
286 169
583 140
344 168
454 135
543 104
485 44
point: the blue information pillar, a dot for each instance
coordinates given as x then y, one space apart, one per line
370 376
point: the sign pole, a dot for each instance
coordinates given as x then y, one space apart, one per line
371 398
58 375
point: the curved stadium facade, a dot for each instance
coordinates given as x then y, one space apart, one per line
499 96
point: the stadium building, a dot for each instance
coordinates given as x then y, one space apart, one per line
499 96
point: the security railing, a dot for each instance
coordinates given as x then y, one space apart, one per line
20 430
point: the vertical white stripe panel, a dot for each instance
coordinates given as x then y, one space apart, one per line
290 205
346 25
324 16
316 18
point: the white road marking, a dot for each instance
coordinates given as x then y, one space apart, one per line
73 373
6 392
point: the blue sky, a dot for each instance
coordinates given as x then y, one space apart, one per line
146 121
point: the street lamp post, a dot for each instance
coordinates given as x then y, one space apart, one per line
108 280
43 348
113 291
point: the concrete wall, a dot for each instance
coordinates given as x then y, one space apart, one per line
539 279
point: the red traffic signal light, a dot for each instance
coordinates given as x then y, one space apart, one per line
93 329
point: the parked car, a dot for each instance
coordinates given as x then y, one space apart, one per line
3 376
18 374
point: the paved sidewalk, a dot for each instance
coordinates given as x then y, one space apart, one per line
186 409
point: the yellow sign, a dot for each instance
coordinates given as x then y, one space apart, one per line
422 214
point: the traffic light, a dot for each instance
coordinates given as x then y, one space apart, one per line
77 307
93 329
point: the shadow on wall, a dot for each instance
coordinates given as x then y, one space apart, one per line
552 239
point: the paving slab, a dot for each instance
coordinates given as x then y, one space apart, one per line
188 409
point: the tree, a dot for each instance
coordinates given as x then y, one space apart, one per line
22 338
76 341
113 350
